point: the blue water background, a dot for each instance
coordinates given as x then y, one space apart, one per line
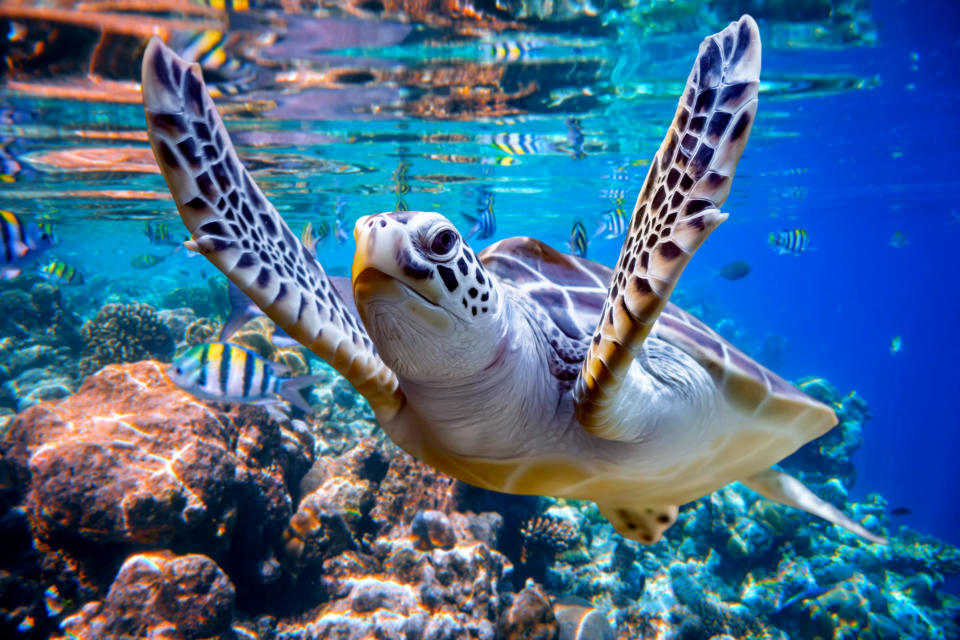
851 167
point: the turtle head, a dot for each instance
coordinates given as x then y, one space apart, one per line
427 302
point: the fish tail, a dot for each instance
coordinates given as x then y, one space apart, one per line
289 390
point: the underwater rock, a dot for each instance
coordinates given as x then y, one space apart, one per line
161 595
178 321
38 385
132 461
529 616
124 333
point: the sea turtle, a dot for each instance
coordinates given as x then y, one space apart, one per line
521 369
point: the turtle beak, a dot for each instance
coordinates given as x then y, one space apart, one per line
384 245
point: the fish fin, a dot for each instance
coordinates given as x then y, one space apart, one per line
677 209
241 311
20 249
785 489
242 234
289 390
281 338
644 524
9 273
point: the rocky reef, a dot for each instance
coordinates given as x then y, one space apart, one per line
132 510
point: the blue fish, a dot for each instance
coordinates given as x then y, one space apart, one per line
789 241
485 222
224 372
575 137
810 593
21 243
578 239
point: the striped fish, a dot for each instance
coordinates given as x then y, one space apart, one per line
614 223
223 372
61 273
510 50
159 234
519 144
313 241
21 242
485 222
789 241
578 239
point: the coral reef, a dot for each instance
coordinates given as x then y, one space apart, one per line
124 333
131 496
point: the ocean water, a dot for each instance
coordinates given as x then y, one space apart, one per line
355 109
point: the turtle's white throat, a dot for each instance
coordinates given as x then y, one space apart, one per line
420 340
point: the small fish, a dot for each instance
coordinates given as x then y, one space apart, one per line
312 242
899 240
901 511
575 137
614 223
224 372
896 345
21 242
340 225
578 239
61 273
146 260
159 234
789 241
510 50
242 310
485 222
519 144
736 270
810 593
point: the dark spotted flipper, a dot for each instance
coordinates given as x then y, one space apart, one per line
678 207
240 232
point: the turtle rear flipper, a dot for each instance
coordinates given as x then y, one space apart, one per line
643 524
785 489
241 233
678 207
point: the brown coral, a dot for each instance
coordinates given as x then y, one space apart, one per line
124 333
199 331
548 534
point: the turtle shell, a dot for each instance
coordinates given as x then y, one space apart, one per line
572 290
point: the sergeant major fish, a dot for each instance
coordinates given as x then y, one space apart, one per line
222 372
485 222
21 242
578 239
61 272
614 223
789 241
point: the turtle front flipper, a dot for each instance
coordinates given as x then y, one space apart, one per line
678 207
241 233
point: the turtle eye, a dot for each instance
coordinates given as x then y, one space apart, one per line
444 242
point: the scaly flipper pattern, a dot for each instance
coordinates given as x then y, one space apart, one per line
678 207
241 233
